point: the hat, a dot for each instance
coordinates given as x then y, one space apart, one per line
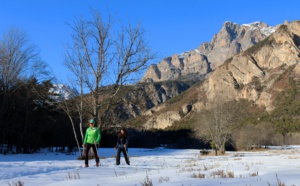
92 121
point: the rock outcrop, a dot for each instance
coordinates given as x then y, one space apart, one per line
163 120
190 65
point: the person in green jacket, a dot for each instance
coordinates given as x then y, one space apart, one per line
91 140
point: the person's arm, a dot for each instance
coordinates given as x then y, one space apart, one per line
126 142
98 137
117 143
85 138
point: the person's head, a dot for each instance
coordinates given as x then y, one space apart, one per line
92 122
123 131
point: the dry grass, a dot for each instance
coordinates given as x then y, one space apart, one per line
237 159
199 175
222 174
278 182
18 183
161 179
147 181
239 155
247 167
253 174
205 152
293 157
74 176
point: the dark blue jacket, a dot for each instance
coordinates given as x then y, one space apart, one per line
122 139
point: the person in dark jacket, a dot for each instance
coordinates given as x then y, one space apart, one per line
122 146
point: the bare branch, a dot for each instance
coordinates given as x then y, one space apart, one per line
217 124
95 52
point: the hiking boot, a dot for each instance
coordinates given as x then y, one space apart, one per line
86 165
97 164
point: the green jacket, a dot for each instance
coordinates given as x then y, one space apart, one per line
92 135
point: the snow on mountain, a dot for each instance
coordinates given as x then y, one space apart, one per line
63 92
264 28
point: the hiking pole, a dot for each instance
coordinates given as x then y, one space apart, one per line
127 154
96 149
83 148
96 146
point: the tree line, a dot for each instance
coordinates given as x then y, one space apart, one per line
26 115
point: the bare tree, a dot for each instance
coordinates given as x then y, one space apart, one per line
217 124
16 54
96 57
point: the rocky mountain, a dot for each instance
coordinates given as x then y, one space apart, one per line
197 64
264 65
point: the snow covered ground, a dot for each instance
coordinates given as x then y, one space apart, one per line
275 166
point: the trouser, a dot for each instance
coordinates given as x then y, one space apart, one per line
124 151
87 149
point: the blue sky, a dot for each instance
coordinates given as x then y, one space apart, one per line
174 26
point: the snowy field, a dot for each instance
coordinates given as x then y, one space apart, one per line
278 166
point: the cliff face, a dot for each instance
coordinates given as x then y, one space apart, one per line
196 64
262 64
190 65
253 74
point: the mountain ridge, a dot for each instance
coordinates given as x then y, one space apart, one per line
198 63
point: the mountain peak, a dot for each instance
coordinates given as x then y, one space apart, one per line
196 64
